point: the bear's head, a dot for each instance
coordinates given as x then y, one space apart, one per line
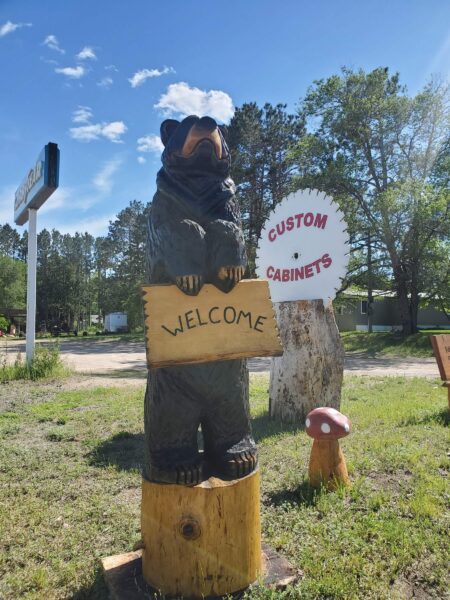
195 146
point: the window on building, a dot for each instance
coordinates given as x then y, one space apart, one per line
364 307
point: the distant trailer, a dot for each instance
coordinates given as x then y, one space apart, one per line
116 322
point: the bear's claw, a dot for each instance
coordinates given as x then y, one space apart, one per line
190 284
241 465
189 474
228 277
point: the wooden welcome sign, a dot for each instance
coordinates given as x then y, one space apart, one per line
441 347
182 329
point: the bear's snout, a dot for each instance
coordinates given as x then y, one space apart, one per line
203 133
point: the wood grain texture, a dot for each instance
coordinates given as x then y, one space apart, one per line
182 329
327 465
441 348
203 540
310 372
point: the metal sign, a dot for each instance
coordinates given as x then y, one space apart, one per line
303 249
41 181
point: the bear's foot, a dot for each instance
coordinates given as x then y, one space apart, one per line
238 464
182 474
190 284
228 277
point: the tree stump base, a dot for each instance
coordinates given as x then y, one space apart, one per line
124 579
203 540
310 372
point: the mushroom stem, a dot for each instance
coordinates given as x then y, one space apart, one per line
327 465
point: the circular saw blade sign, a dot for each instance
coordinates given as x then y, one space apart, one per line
303 249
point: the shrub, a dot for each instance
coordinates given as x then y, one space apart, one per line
46 363
4 324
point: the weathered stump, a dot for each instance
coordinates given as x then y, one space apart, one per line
203 540
310 372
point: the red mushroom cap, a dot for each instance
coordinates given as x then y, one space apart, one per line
326 423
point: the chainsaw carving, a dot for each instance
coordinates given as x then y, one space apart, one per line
194 237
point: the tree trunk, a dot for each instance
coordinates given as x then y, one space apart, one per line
203 540
310 372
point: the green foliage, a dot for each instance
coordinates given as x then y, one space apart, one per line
382 155
46 364
4 324
12 282
260 140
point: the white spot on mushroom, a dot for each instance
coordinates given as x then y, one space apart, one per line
325 428
347 427
308 422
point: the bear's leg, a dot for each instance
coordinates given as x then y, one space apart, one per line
229 445
172 417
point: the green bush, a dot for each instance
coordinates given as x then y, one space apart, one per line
46 363
4 323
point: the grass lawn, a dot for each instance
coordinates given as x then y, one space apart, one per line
394 344
70 491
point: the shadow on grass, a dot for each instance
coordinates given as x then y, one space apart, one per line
96 590
264 427
441 417
125 451
303 495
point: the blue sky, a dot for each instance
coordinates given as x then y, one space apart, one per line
98 78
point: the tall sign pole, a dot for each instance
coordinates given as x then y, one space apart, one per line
31 282
41 181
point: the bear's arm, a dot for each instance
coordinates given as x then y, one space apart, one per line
226 255
177 250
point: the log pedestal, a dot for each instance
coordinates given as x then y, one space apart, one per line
203 540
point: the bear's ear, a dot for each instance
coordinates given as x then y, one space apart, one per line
224 130
167 128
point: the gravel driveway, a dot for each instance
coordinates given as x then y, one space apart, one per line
127 359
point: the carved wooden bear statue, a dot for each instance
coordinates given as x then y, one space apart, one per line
194 237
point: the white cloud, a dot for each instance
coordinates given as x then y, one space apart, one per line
111 68
150 143
9 27
93 131
182 100
72 72
110 131
141 160
83 114
140 76
51 42
86 53
103 181
106 82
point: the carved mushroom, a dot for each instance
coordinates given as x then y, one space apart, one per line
327 463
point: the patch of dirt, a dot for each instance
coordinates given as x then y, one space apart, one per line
397 483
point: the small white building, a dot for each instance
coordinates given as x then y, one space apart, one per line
116 322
